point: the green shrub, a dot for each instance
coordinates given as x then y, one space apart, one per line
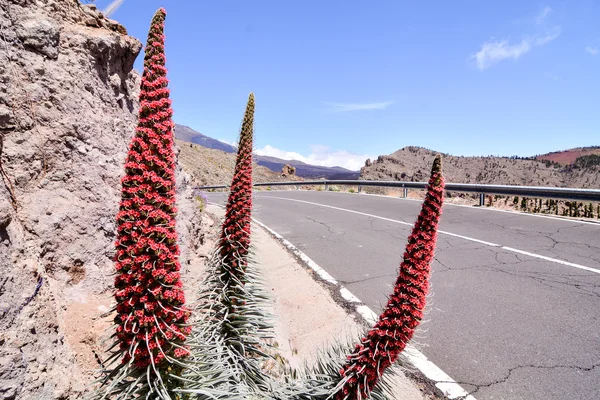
588 161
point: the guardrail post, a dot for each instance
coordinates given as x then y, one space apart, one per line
326 187
405 192
481 199
359 188
297 187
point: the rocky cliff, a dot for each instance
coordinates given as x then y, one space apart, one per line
68 107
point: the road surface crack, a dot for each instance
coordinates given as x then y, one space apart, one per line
581 283
505 378
369 278
324 224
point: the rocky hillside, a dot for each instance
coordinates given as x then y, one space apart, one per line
215 167
412 164
187 134
68 107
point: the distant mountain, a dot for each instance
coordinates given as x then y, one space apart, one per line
187 134
413 164
215 167
567 157
307 170
275 164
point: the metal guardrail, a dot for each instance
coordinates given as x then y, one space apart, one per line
483 190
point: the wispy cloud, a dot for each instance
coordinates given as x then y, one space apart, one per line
493 52
542 15
320 155
347 107
592 50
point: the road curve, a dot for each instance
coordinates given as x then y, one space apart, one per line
515 311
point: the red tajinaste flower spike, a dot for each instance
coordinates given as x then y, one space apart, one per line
235 234
404 310
146 245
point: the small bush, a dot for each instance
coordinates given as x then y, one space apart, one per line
201 198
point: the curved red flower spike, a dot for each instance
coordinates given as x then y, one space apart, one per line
404 310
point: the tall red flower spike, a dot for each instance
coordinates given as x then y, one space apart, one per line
151 315
404 310
235 233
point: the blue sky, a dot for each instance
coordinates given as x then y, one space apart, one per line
339 81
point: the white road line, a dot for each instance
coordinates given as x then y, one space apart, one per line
448 386
554 260
570 264
347 295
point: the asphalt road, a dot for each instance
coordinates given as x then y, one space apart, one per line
502 322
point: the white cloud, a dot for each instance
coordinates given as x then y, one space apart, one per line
541 17
592 50
345 107
320 155
495 51
231 143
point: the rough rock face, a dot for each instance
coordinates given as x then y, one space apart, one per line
68 107
288 170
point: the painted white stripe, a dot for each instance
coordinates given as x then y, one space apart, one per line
347 295
451 389
554 260
570 264
368 314
469 239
